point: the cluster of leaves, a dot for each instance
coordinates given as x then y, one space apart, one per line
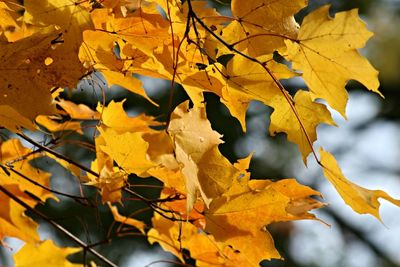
208 206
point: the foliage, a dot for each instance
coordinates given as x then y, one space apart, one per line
208 209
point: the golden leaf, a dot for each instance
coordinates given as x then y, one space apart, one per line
240 220
72 18
78 111
27 56
45 253
246 80
13 153
129 150
261 26
360 199
175 236
115 117
193 137
53 125
309 113
326 53
13 221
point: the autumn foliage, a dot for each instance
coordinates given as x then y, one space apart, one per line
208 209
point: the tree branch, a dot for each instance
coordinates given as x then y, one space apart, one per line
58 227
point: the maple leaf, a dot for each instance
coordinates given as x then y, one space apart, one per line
114 116
72 18
307 114
261 26
360 199
44 253
98 52
129 150
145 30
6 17
175 236
216 174
161 152
54 124
247 80
298 118
10 28
240 220
193 136
11 152
13 221
110 179
27 56
118 126
326 52
167 234
77 111
135 35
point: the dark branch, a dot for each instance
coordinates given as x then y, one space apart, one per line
58 227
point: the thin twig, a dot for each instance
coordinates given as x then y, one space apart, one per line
58 155
58 227
78 198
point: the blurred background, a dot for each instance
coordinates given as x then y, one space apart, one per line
367 147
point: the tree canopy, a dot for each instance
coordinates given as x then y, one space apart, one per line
206 208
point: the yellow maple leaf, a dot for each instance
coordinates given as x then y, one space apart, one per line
146 31
326 52
72 17
161 152
129 150
193 136
13 221
13 120
52 124
12 153
215 174
115 117
10 25
261 26
78 111
27 56
21 178
240 220
168 234
309 114
209 253
45 253
360 199
110 179
209 80
98 52
175 236
246 80
97 48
